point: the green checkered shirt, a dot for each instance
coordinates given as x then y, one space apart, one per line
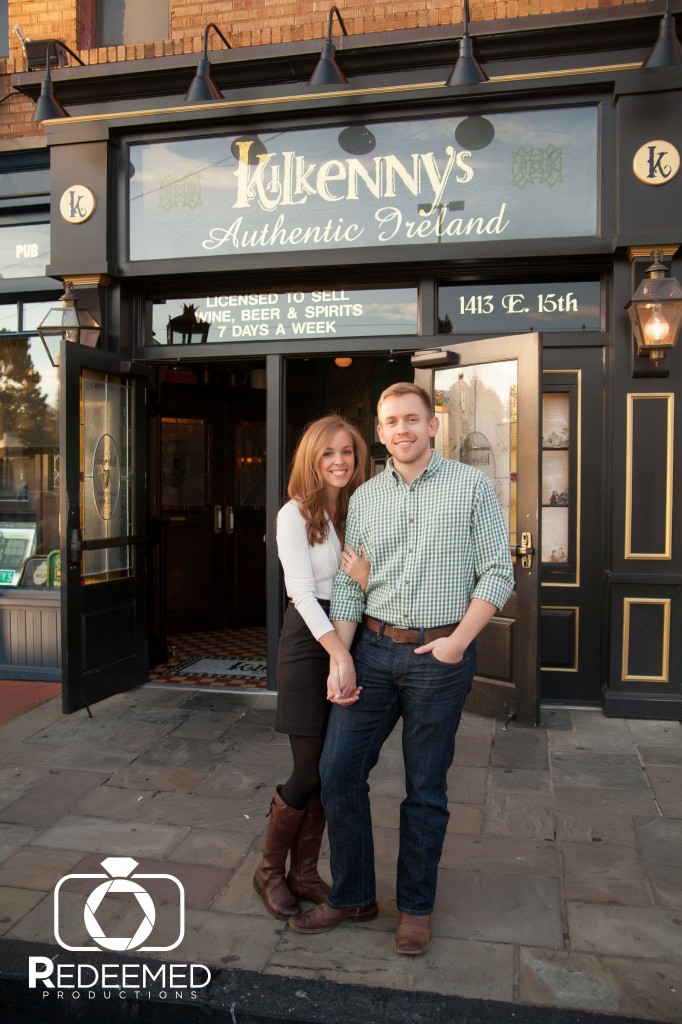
432 544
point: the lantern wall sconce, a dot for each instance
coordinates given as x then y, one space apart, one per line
655 312
186 328
69 323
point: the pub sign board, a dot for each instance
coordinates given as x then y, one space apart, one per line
506 176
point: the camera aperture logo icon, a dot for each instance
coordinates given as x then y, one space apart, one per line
119 880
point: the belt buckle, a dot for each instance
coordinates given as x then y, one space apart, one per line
400 634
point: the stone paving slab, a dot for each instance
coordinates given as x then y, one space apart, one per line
240 814
589 768
111 838
661 754
578 827
604 874
357 955
50 800
520 749
143 776
571 799
666 781
645 733
516 909
13 837
245 777
520 814
642 932
216 849
113 802
89 758
500 855
15 904
666 885
635 988
32 867
660 841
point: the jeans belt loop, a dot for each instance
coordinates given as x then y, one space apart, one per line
382 626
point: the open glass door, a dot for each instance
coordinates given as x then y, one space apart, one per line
488 402
104 642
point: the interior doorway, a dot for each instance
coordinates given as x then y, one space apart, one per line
207 520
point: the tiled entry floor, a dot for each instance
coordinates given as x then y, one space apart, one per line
233 643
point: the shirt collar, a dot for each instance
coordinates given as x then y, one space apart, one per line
429 470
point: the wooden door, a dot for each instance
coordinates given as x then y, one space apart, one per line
102 508
488 401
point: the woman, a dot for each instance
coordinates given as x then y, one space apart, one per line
328 466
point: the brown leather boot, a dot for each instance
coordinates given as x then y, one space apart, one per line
269 880
303 878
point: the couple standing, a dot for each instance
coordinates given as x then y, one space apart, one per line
424 563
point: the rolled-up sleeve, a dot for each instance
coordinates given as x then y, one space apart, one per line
492 556
299 579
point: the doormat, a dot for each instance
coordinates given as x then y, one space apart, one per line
221 667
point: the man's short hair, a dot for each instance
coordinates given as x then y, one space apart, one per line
406 388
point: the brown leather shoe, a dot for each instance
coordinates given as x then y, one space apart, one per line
323 918
413 936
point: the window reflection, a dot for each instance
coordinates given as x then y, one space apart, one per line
29 466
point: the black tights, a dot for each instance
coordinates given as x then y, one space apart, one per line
305 777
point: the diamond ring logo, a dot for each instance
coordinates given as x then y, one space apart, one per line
132 890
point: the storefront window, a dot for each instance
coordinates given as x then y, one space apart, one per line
29 465
263 316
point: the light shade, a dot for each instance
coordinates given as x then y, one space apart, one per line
47 106
667 49
67 321
467 70
655 311
202 88
327 71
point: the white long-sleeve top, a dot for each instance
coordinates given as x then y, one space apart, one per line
308 571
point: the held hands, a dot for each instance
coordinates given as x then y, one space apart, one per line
356 565
341 685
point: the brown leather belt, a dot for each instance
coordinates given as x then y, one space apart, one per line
401 635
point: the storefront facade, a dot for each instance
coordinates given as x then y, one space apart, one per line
258 261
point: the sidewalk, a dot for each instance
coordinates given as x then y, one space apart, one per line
560 886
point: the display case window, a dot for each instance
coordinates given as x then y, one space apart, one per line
559 482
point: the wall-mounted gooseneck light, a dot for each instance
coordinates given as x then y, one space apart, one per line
667 49
467 70
47 106
203 89
655 311
67 322
328 71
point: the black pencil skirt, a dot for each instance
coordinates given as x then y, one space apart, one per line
302 670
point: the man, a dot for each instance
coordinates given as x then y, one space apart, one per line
440 566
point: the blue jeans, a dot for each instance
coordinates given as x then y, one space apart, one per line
429 695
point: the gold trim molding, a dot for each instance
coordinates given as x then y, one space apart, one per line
664 677
666 554
644 251
565 608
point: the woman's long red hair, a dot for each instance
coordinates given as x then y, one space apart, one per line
305 482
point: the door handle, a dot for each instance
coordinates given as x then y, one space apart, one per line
217 518
229 519
526 550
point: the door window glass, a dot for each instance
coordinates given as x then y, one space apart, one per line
106 477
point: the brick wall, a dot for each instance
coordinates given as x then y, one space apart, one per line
244 22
